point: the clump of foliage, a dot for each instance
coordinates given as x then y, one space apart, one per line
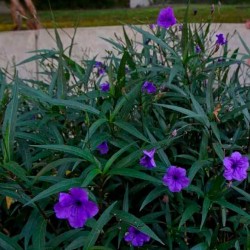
134 151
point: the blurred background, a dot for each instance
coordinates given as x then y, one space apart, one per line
91 13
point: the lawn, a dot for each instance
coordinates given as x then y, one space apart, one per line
90 18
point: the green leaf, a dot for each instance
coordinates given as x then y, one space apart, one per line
131 130
90 177
155 193
9 123
244 44
7 243
198 108
189 113
125 206
185 41
115 157
33 93
234 208
93 129
218 150
242 192
209 92
137 223
205 209
216 131
157 40
39 234
56 188
134 174
160 151
224 216
77 242
200 246
101 222
29 227
70 150
16 169
188 213
66 236
203 154
55 164
121 74
100 248
195 168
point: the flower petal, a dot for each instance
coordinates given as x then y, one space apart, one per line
77 217
79 194
90 209
62 212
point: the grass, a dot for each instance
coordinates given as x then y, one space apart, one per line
90 18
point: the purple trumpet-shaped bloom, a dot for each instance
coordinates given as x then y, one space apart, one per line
235 167
175 179
105 86
166 18
75 207
135 237
221 39
103 148
197 49
148 159
149 87
100 67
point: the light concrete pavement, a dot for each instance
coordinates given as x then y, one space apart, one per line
14 46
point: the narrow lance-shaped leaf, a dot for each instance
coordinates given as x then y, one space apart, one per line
9 123
8 243
188 213
131 130
38 238
115 157
205 209
101 222
137 223
56 188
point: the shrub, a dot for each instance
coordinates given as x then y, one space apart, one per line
148 148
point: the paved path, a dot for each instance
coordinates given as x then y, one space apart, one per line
14 46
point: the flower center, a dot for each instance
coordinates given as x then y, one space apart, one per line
234 166
175 177
78 203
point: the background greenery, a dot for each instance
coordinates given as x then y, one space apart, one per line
86 4
89 18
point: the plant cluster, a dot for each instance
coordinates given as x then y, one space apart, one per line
148 148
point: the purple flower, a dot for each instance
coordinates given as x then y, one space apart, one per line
135 237
103 148
148 159
221 39
105 86
166 18
152 26
100 68
221 60
197 49
75 207
235 167
149 87
180 27
175 178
